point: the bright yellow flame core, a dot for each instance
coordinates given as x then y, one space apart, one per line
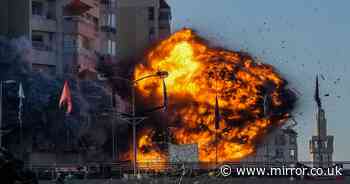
197 74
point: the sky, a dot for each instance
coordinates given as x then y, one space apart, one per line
299 38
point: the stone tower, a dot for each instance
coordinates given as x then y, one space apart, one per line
321 144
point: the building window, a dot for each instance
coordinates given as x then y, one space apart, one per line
37 38
111 20
38 42
109 23
292 140
164 26
85 43
109 3
150 13
49 69
151 31
37 8
316 158
292 154
111 47
329 157
316 144
280 140
69 42
95 21
152 34
279 153
164 15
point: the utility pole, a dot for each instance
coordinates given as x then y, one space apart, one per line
216 148
1 113
134 129
113 141
131 118
113 131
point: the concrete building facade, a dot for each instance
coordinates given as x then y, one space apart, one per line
66 35
279 146
14 18
140 23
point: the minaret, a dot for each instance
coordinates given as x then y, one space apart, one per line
321 144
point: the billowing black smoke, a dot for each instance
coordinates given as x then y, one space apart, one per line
44 123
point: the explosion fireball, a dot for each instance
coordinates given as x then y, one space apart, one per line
252 98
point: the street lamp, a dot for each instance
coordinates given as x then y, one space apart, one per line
2 84
131 118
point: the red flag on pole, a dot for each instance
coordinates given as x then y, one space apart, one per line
66 98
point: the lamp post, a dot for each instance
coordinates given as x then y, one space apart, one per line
132 119
2 84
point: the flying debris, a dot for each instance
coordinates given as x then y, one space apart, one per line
337 81
296 91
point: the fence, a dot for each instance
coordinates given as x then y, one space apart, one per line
120 169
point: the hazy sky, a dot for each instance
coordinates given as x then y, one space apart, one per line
300 38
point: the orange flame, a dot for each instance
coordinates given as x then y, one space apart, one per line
197 74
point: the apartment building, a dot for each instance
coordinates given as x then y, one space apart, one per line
74 33
44 36
140 23
67 35
108 26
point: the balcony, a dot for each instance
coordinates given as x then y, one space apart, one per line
108 4
88 54
78 7
43 54
109 29
91 3
41 23
164 15
78 25
87 61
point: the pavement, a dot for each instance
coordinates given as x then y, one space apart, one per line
204 180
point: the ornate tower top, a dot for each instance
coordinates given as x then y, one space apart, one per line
321 144
317 94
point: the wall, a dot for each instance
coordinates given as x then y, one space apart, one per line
20 15
15 18
133 27
4 17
